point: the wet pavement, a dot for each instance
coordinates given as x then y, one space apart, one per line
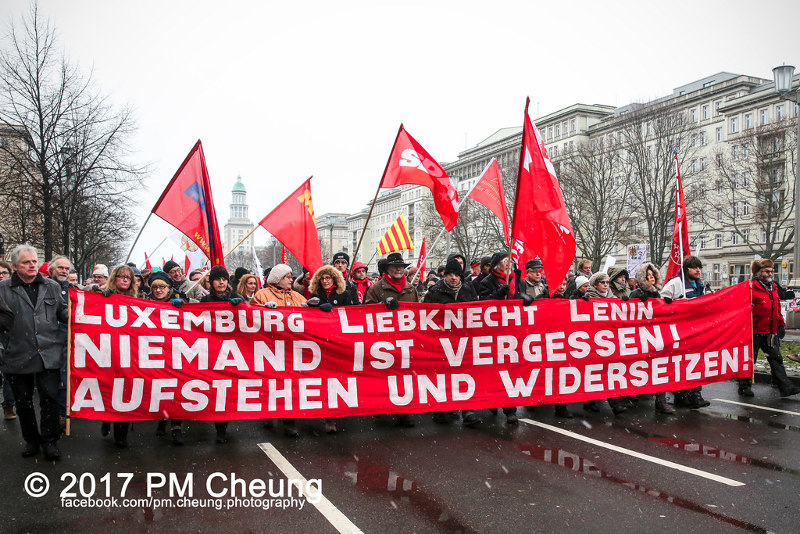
731 467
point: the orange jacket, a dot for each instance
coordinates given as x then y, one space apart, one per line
279 296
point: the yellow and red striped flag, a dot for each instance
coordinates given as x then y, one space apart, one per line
396 238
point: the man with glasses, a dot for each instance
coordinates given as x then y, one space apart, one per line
191 290
768 327
99 276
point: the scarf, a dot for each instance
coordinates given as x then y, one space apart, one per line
398 284
453 290
361 288
500 276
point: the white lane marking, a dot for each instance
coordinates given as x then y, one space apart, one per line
336 518
641 456
757 406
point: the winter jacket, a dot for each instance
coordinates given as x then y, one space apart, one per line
339 295
279 296
193 291
675 289
491 288
227 295
537 291
438 294
35 341
767 316
352 289
645 288
6 318
618 290
382 290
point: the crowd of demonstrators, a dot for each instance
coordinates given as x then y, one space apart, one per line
34 343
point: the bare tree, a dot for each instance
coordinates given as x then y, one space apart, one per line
754 189
650 135
597 189
75 140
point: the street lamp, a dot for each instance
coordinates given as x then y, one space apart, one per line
784 76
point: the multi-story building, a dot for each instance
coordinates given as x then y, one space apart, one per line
736 141
333 234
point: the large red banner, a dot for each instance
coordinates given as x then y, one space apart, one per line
133 359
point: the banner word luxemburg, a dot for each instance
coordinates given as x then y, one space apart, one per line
132 359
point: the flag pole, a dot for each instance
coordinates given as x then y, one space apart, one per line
680 224
242 241
372 206
516 191
130 252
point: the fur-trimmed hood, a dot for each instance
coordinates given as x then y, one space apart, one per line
641 278
338 280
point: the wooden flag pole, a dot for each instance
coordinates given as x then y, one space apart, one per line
372 206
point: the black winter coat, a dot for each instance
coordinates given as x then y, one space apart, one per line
491 288
336 299
437 294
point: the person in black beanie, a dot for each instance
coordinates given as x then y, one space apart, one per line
221 291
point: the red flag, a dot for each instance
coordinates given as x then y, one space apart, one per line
293 224
422 260
409 163
541 221
187 262
147 262
284 258
488 190
187 205
680 232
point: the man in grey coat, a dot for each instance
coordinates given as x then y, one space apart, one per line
34 346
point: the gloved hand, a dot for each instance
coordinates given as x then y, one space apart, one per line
236 301
327 307
527 300
643 297
271 305
781 332
626 298
502 292
667 300
176 302
585 297
106 292
313 301
392 303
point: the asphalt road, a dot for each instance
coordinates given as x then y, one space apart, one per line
725 468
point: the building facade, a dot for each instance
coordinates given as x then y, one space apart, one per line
237 227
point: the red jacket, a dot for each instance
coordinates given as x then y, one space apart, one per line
767 315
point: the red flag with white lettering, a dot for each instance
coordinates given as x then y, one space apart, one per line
147 264
293 224
409 163
680 231
488 190
541 222
186 204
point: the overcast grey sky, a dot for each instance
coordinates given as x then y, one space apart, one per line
279 91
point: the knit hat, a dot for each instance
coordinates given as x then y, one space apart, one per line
757 265
217 272
358 265
278 272
580 280
100 269
341 256
453 267
475 262
238 273
170 265
159 275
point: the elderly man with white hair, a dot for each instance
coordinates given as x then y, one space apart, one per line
34 352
